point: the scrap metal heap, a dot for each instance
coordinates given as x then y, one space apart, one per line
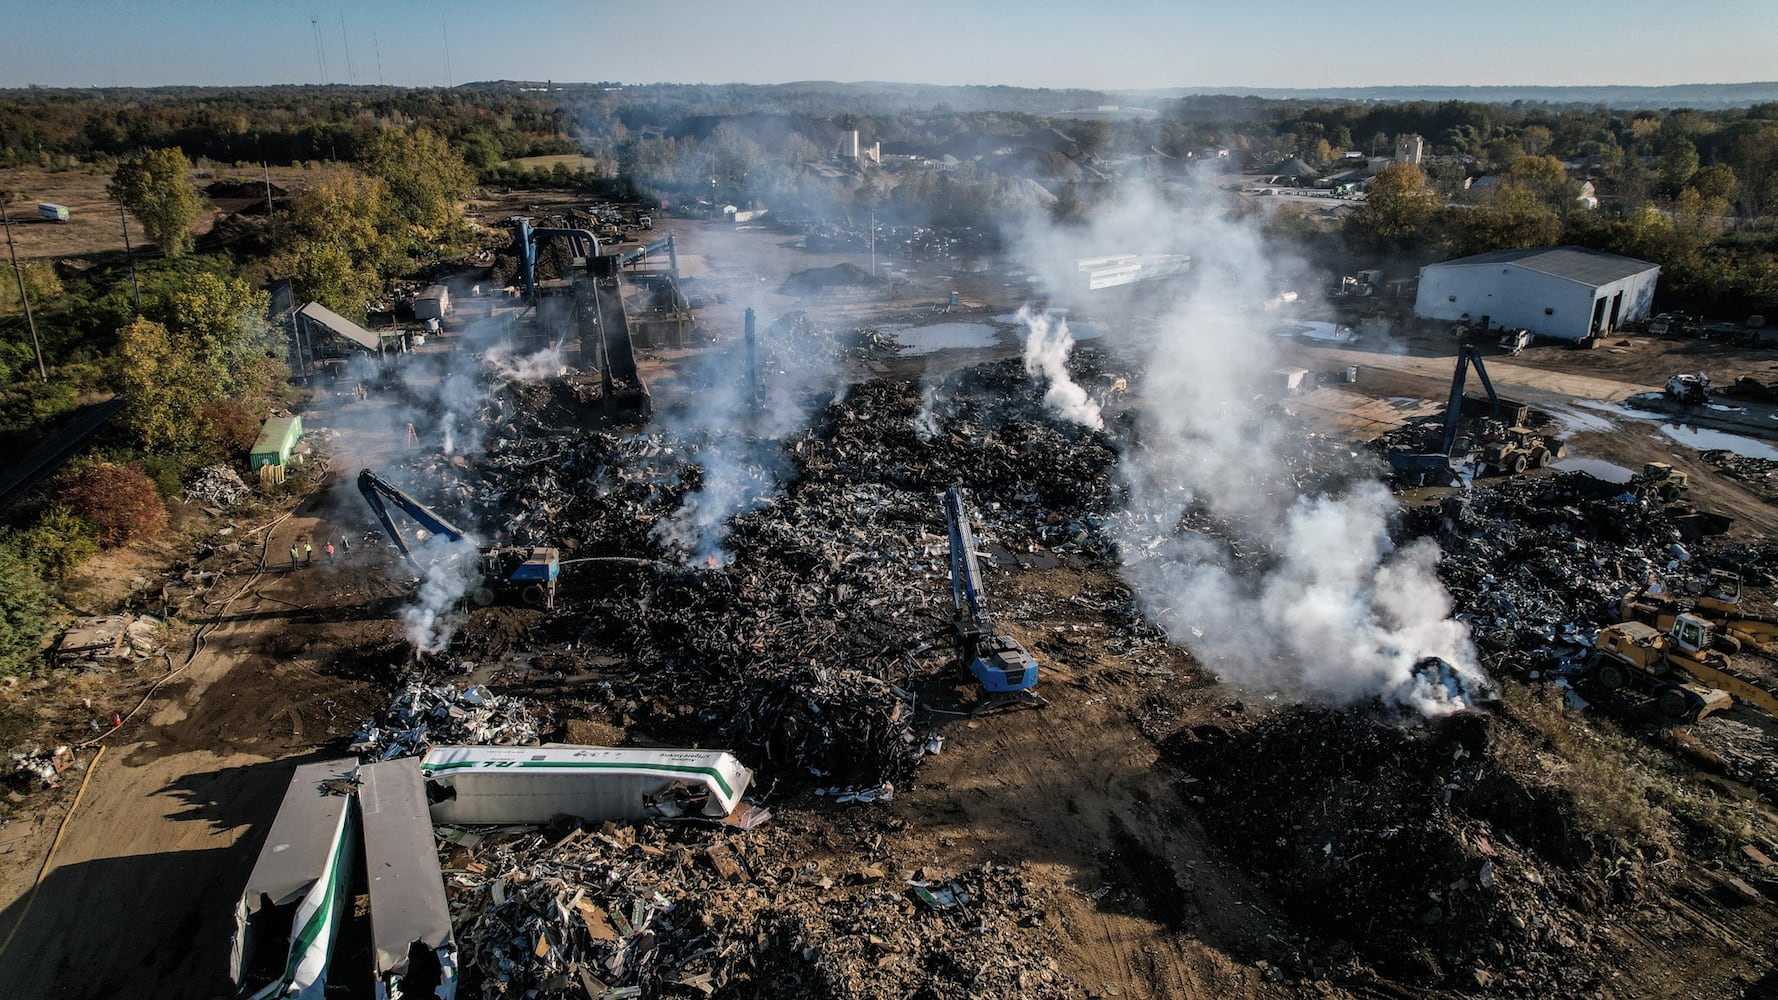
700 911
805 648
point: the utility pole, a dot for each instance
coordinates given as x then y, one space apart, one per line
128 252
873 241
25 300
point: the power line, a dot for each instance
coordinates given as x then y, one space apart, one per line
346 40
320 48
446 28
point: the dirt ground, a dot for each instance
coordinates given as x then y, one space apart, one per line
279 665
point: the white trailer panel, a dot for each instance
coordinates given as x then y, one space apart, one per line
495 785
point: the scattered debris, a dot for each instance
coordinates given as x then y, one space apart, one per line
218 486
424 715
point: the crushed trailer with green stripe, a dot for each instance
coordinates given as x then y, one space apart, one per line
289 914
501 785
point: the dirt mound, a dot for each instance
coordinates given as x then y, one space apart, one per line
1404 845
815 280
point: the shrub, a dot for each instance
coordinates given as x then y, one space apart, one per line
57 544
232 426
23 613
119 501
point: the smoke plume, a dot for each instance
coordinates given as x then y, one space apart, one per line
1277 589
1047 346
736 425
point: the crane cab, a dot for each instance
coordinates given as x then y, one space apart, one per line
1002 665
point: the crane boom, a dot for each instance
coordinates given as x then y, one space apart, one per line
1006 670
380 492
966 573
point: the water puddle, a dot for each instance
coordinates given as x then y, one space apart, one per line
1598 468
919 340
1704 439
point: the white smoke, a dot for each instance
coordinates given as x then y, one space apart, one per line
447 393
926 419
737 438
1302 596
453 571
1047 346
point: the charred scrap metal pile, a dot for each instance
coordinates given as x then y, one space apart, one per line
805 626
689 911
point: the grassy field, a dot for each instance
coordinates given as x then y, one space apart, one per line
574 161
93 225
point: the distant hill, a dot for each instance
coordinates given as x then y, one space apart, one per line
1702 96
883 98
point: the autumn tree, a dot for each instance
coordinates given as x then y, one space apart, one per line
164 381
1546 178
41 284
154 187
338 248
1511 217
1397 207
119 501
1717 181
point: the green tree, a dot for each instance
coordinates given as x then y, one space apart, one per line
337 248
1397 207
1536 140
154 187
57 544
1678 162
164 381
426 177
1754 158
23 613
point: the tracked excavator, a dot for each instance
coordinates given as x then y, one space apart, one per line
1006 670
528 573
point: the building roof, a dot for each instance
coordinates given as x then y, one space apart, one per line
339 325
277 434
1588 267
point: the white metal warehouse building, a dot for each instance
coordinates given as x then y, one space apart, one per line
1566 293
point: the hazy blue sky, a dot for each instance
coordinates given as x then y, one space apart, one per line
1033 43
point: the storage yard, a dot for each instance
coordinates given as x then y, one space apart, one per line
1298 728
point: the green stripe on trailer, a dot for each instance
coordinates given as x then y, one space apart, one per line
715 774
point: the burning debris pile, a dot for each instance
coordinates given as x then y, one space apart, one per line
786 637
1417 848
423 715
1536 565
692 911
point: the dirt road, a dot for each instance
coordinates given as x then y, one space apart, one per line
138 900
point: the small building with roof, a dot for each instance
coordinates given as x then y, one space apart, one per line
1564 293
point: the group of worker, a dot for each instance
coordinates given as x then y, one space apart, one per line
302 551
